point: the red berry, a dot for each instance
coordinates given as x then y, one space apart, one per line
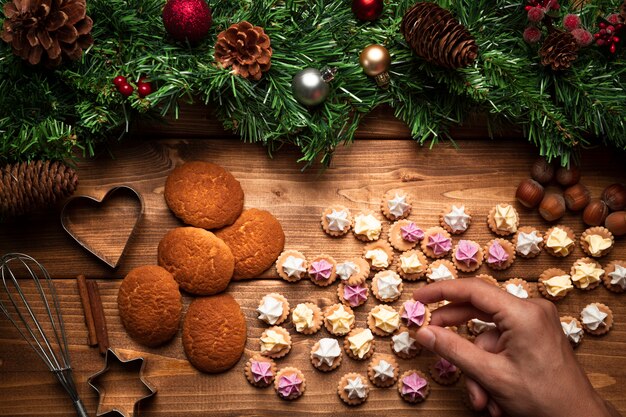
612 48
119 80
532 35
143 89
582 37
602 25
615 39
536 14
571 22
126 89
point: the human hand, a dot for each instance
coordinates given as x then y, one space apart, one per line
525 367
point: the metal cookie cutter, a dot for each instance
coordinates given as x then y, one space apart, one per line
108 385
70 224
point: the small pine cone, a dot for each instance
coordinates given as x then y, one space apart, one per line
246 48
47 30
559 50
28 186
436 36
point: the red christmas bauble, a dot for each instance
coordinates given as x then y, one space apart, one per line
187 19
367 9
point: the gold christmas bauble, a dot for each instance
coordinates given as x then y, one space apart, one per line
375 60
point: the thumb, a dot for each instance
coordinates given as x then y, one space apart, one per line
474 361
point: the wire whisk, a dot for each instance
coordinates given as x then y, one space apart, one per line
36 315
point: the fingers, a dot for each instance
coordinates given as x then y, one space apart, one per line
473 360
477 395
494 409
488 340
457 313
483 296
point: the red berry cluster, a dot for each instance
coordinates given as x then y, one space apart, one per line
545 11
123 86
610 32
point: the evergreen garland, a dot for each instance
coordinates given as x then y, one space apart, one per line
52 114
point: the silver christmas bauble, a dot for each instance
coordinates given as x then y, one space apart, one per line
309 87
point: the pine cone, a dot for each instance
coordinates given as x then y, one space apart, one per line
559 50
246 48
436 36
29 186
47 30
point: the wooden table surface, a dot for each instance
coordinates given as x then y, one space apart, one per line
479 174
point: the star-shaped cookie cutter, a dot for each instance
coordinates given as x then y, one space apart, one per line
109 358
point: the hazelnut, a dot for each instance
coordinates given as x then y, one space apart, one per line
615 197
577 197
595 213
552 207
529 193
542 171
568 176
616 223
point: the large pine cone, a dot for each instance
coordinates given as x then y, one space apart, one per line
47 30
246 48
436 36
559 50
29 186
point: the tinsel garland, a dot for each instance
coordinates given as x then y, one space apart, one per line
51 114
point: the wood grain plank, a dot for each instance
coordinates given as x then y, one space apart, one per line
29 390
479 174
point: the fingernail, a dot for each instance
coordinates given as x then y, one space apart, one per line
426 337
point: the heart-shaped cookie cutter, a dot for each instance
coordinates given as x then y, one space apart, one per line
106 259
110 357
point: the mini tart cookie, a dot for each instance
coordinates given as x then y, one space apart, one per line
455 219
273 309
554 284
444 372
586 273
517 287
559 241
260 371
290 383
396 204
596 318
352 295
378 254
359 344
326 354
353 388
404 235
528 242
412 265
441 270
436 243
275 342
354 271
323 270
383 370
413 386
597 241
404 345
414 314
338 319
488 279
383 320
573 330
291 266
467 256
615 276
367 227
499 254
306 318
476 326
503 220
387 286
336 220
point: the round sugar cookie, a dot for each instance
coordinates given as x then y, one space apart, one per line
256 239
150 305
201 263
214 333
204 195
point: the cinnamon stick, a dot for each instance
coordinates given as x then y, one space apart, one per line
81 282
98 316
